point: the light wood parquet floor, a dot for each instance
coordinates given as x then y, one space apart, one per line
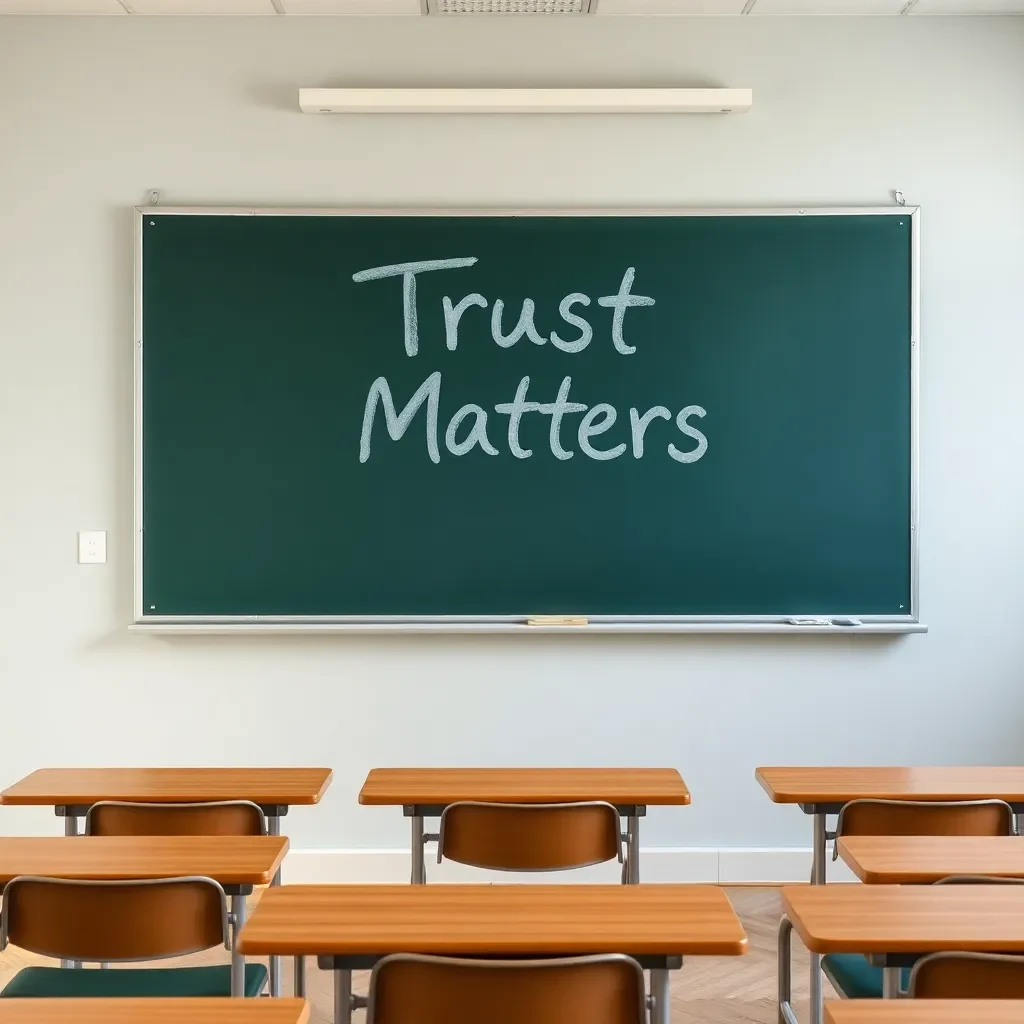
708 990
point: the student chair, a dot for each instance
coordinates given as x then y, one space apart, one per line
850 973
413 989
968 976
122 922
221 818
529 837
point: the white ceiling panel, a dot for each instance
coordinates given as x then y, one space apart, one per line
201 6
352 6
968 7
61 7
670 7
828 6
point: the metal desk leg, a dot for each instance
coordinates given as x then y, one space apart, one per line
660 1004
70 829
890 983
633 850
237 960
274 829
299 979
817 878
419 871
342 997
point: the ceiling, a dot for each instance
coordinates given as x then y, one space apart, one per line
604 7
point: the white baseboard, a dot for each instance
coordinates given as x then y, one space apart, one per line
724 866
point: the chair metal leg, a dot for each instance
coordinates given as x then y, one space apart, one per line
274 829
785 954
633 850
890 983
342 997
660 1002
817 878
299 977
237 960
70 829
419 871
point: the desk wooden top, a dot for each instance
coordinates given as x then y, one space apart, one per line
500 919
923 1011
907 918
82 786
838 785
230 860
154 1011
917 860
442 786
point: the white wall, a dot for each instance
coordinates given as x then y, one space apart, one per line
93 113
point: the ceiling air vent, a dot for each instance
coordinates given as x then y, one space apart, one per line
510 6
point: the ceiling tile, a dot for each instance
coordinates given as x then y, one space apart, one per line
352 6
828 6
670 7
968 7
61 7
202 6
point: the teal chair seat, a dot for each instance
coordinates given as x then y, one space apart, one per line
56 982
854 978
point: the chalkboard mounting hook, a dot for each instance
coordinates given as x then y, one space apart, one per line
154 197
899 198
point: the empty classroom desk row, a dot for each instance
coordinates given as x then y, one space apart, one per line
615 930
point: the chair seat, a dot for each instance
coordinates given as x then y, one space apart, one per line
854 978
56 982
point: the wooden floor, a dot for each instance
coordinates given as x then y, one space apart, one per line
708 990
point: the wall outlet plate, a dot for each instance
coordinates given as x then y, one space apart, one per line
92 547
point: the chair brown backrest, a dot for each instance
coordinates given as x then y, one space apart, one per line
411 989
529 837
223 818
925 818
968 976
111 921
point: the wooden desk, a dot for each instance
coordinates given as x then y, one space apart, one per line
237 862
425 792
923 1011
903 860
154 1011
352 926
823 790
896 924
71 791
830 788
907 919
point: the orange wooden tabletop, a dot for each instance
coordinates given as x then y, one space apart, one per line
500 919
230 860
441 786
917 860
81 786
907 918
837 785
925 1011
154 1011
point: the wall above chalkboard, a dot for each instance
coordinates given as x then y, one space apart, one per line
478 421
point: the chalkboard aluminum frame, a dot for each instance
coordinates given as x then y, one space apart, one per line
837 623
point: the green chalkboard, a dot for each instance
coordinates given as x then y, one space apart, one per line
759 369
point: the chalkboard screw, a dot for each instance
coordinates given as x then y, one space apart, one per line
899 198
